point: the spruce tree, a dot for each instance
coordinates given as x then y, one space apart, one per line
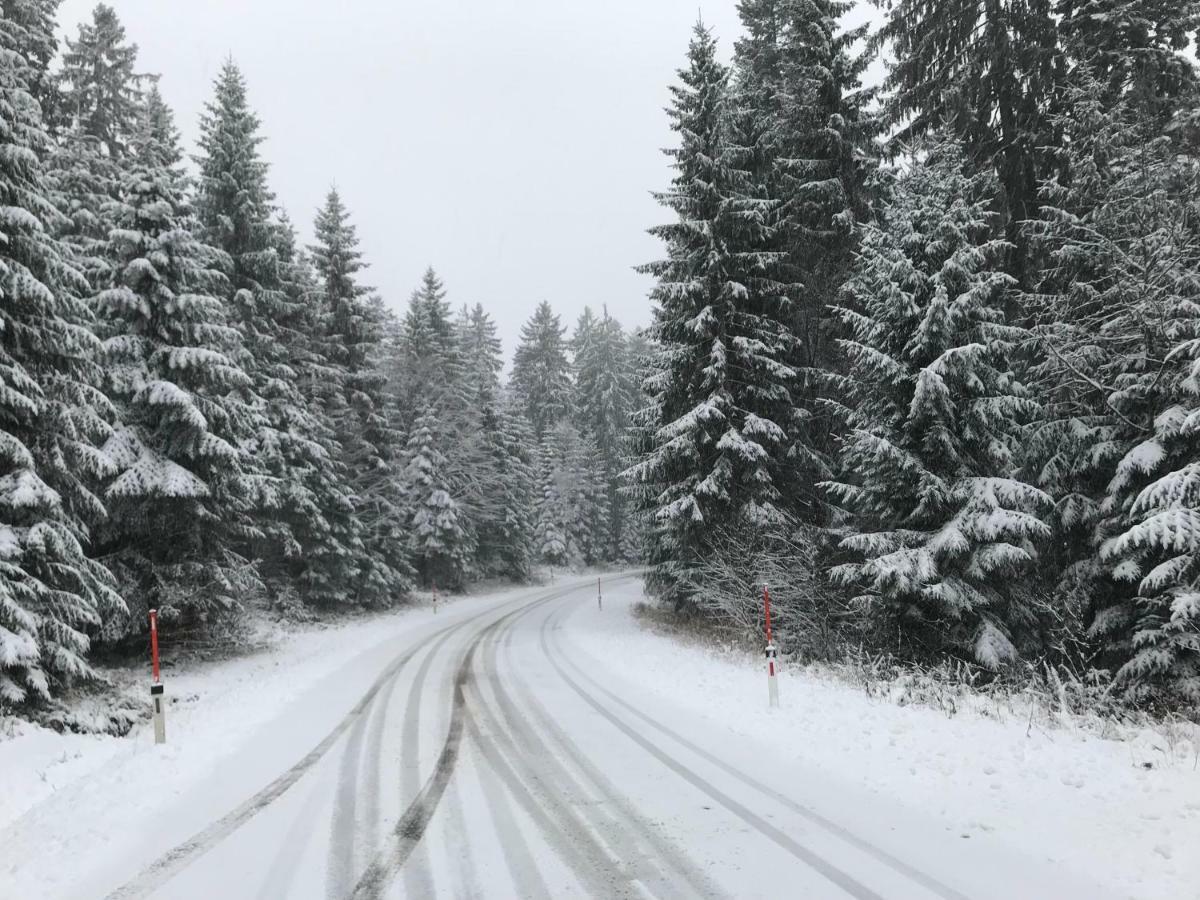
53 598
441 547
99 89
507 516
541 373
352 333
605 393
98 100
945 531
180 501
294 445
990 71
1115 323
1134 51
724 411
551 538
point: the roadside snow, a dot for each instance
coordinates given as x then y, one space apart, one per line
1064 794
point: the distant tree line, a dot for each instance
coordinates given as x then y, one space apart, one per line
938 344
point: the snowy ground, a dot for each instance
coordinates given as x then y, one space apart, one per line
213 708
1062 794
528 744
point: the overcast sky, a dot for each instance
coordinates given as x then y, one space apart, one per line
512 144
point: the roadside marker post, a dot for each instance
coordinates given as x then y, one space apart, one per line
772 668
599 597
435 598
158 699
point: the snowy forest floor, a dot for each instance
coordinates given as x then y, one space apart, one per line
1117 802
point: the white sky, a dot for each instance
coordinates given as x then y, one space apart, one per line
511 143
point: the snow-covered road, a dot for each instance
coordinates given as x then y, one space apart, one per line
485 753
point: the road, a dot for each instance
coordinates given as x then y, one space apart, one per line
489 758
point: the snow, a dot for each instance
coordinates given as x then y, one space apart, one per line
982 799
83 796
1122 810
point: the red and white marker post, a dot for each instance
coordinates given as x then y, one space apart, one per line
157 697
772 668
599 597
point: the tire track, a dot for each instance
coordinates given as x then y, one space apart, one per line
411 828
526 878
179 857
843 880
617 827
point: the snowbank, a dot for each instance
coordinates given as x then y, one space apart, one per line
1065 794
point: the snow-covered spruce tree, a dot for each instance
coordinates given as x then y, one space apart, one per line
320 515
798 116
428 355
441 548
576 471
52 596
605 394
721 390
541 374
98 96
351 343
507 516
990 72
945 532
99 89
180 501
293 445
1135 51
551 535
1116 322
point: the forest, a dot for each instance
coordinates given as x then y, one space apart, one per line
200 416
926 352
924 356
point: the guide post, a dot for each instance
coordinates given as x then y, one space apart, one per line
772 672
599 596
435 598
158 699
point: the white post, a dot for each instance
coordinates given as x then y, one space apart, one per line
435 598
772 667
772 677
160 713
599 597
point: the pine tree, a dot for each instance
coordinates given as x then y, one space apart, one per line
507 517
722 391
945 530
52 596
990 72
541 374
441 547
605 393
294 445
1134 51
352 332
99 89
98 100
1115 317
179 503
551 530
